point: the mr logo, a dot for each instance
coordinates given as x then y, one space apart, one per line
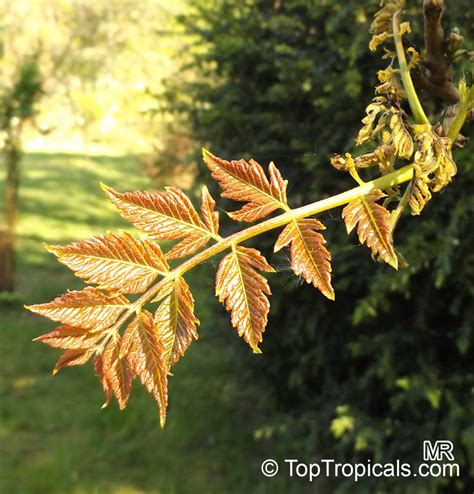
438 450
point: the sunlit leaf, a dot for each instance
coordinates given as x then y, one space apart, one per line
211 217
70 337
88 308
114 261
167 215
74 356
244 291
144 350
309 257
373 227
114 373
246 182
175 320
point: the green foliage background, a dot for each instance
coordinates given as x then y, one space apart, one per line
389 364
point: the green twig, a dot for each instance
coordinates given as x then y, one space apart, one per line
396 214
415 105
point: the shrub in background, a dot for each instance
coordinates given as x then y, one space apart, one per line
387 365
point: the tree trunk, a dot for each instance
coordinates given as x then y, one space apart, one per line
11 156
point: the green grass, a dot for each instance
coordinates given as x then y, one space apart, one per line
54 438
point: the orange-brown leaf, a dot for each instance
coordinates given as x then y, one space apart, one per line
187 246
246 182
143 348
114 373
211 217
244 291
70 337
74 356
114 261
167 215
175 320
373 226
88 308
309 256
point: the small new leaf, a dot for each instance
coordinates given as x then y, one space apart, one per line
401 137
244 291
88 308
114 261
309 256
420 193
246 182
379 39
378 108
382 22
373 225
211 217
434 167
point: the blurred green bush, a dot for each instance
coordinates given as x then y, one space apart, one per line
389 364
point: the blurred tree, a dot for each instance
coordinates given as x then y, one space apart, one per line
86 62
20 88
387 365
16 108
